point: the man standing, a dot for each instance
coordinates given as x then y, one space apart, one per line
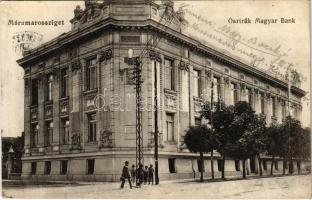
133 174
125 175
151 174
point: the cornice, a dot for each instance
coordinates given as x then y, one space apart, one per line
110 24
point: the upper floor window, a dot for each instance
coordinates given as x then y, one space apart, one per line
64 82
33 135
262 99
92 127
232 94
273 107
170 126
196 83
91 74
169 74
64 131
49 87
34 92
48 134
216 90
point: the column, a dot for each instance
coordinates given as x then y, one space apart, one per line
41 121
56 109
222 91
27 120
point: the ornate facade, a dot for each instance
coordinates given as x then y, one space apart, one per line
80 98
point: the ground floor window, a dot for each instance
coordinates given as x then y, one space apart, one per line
265 167
276 165
33 168
200 166
90 166
237 165
64 164
171 163
47 167
219 165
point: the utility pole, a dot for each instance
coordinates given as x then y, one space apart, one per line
137 77
156 124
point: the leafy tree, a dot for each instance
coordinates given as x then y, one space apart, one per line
220 119
198 140
277 143
256 137
292 129
243 131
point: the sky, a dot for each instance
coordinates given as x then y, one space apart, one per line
259 40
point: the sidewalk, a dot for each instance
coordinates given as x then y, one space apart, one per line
269 187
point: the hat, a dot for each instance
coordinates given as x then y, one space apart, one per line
126 162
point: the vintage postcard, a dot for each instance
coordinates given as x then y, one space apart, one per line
155 99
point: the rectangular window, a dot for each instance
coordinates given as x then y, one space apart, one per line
250 94
90 166
169 74
64 82
232 94
262 102
33 168
171 163
283 110
47 167
273 107
64 131
216 89
92 127
48 95
276 165
219 165
34 92
197 121
265 167
64 165
48 133
196 83
237 165
33 135
200 166
91 74
170 126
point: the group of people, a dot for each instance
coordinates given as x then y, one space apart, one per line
139 175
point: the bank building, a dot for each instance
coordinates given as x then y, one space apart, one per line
80 106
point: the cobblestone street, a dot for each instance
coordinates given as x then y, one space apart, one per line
277 187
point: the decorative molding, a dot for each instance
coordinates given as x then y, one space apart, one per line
34 114
75 141
48 111
105 55
64 107
90 102
154 56
106 139
184 66
170 101
75 66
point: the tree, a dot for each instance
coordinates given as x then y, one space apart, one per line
243 131
256 137
292 129
220 119
198 140
277 143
